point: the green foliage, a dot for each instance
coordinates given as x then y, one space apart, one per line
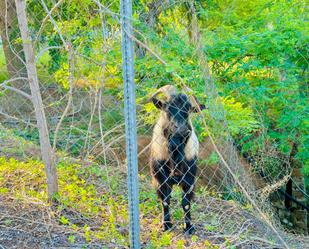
306 173
3 72
240 119
62 75
63 220
257 53
257 56
71 239
306 169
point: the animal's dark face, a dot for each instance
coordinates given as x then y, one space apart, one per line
178 110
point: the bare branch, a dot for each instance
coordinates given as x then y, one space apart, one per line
17 119
46 19
44 50
4 85
54 23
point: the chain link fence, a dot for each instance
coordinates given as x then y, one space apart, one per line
77 48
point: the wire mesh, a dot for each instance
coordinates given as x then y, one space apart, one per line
78 58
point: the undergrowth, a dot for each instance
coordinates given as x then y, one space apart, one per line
97 197
92 202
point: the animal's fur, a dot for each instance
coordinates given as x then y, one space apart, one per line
192 146
174 150
159 143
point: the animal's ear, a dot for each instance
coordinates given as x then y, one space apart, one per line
167 91
196 110
158 103
196 105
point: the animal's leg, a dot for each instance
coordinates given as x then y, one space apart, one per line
188 187
161 173
186 205
164 193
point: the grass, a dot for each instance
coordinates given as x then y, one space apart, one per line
92 198
97 195
92 192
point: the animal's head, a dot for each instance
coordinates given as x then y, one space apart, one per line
177 107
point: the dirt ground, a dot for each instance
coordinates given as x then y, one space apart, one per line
34 226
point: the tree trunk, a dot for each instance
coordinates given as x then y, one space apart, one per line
46 150
13 51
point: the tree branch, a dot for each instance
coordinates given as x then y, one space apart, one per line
4 85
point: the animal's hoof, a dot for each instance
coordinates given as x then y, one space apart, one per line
167 226
189 230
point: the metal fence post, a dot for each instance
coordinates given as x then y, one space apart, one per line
130 120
